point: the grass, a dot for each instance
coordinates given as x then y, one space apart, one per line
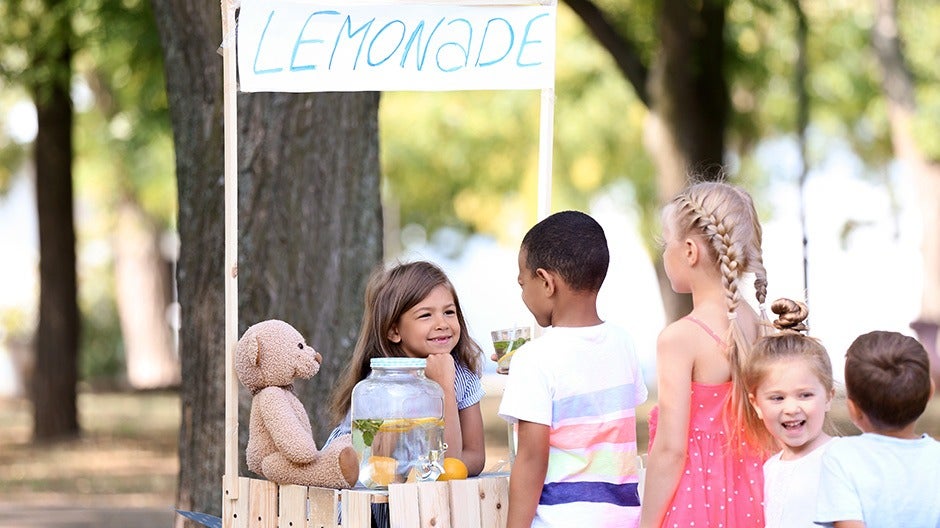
127 455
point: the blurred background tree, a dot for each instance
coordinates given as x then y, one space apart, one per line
128 170
912 127
95 66
41 64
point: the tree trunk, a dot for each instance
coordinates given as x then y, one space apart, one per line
687 96
685 133
898 87
143 294
55 412
310 229
316 180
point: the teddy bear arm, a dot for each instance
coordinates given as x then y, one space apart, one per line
291 436
337 467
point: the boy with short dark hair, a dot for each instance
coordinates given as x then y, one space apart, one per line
573 391
889 476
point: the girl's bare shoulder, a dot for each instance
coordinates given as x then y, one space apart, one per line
677 336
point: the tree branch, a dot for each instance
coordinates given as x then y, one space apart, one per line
802 123
897 82
623 51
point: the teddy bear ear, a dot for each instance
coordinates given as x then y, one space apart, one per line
254 351
249 350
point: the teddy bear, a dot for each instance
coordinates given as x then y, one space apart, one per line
269 356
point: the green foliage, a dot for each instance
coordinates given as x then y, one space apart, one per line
118 90
124 148
102 356
35 34
918 20
470 159
128 150
31 30
760 54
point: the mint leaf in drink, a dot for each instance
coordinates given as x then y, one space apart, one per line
368 427
501 347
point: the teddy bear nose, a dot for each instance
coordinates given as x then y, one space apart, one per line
318 357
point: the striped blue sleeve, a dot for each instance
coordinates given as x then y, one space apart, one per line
467 387
344 427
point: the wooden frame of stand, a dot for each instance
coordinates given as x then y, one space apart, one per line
256 503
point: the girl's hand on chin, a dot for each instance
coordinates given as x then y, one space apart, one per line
440 368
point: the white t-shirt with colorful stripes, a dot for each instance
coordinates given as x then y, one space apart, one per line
585 383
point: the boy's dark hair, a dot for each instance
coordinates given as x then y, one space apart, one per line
887 376
571 244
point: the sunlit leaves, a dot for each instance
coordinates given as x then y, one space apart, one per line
918 21
470 159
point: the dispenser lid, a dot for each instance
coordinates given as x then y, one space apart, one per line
397 362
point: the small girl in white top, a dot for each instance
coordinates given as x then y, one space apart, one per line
788 378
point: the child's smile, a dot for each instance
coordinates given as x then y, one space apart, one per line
429 327
793 403
794 425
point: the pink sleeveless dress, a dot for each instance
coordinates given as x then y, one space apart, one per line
718 488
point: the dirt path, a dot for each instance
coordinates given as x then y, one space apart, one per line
20 516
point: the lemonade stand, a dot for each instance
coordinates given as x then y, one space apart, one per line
373 45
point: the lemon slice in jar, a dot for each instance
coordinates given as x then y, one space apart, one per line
403 425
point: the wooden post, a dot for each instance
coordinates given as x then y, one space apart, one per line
546 145
230 115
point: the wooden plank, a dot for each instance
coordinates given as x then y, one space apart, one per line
357 509
465 500
403 510
292 506
494 502
230 269
641 474
235 510
324 507
262 504
434 503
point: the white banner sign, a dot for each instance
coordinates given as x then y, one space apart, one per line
296 46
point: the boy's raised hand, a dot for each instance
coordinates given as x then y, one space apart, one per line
440 368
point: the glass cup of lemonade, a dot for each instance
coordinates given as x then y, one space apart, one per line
506 341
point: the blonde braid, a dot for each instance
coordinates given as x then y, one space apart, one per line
755 257
721 240
733 259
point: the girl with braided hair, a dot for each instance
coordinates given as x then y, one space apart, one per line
706 456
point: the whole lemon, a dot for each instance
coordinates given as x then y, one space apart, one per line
454 469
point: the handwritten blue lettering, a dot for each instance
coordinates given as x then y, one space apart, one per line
350 33
486 31
301 40
526 41
290 39
254 66
416 41
462 50
401 38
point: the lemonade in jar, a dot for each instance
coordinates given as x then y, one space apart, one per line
397 423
